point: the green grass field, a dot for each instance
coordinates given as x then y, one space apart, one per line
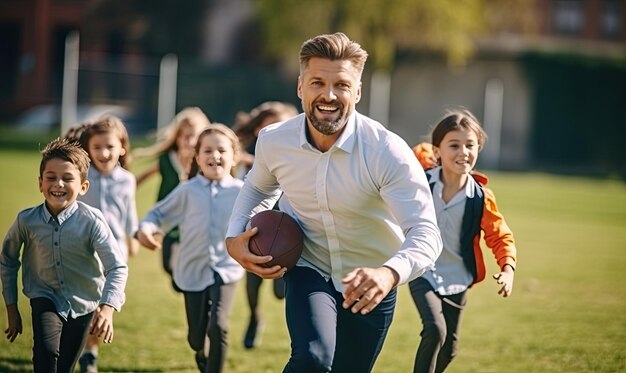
567 312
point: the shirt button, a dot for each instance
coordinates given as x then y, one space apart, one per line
56 229
56 244
58 263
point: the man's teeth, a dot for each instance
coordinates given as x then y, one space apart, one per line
326 108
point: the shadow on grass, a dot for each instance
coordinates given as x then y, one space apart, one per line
18 365
15 365
105 368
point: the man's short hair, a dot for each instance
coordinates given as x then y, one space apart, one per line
335 46
67 150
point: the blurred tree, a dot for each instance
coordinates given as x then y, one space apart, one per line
383 26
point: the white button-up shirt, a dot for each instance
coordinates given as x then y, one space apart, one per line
200 208
450 276
363 203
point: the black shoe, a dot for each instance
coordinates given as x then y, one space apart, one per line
88 363
201 360
253 334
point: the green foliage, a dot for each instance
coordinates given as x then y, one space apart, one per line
566 313
382 27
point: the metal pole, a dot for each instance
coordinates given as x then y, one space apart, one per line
492 123
70 82
380 93
167 90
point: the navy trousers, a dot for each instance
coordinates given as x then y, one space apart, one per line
325 337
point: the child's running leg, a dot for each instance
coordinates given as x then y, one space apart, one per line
222 298
56 342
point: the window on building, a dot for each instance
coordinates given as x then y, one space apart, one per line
568 17
611 20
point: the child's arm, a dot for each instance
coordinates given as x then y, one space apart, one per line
102 323
505 278
133 246
152 170
9 267
15 322
499 238
163 216
146 236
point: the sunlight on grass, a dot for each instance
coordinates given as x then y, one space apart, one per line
567 312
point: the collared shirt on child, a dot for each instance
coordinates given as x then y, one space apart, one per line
200 208
114 195
63 260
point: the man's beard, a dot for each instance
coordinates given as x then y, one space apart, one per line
328 127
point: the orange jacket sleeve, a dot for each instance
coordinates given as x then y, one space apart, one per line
497 234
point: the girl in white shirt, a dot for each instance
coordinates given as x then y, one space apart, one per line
204 271
112 191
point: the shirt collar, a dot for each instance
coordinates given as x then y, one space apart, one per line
115 175
345 141
470 185
223 182
63 215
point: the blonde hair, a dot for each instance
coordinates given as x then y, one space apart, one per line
166 138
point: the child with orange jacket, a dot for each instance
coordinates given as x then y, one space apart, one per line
465 208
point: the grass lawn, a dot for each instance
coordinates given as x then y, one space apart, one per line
567 312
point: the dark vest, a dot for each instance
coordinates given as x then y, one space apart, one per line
470 227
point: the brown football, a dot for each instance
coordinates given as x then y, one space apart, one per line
278 235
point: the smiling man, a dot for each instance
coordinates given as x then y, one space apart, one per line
362 201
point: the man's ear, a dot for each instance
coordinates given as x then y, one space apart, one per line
299 86
40 185
358 94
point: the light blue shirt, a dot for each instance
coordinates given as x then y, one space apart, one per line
363 203
114 195
63 260
450 276
200 208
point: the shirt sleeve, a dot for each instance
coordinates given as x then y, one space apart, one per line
260 192
498 236
10 262
132 219
115 268
168 212
404 188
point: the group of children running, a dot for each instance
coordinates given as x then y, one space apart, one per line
74 248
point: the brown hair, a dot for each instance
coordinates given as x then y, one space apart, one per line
333 47
455 120
108 124
247 123
67 150
74 133
221 129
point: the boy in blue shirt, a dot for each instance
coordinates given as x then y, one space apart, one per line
66 243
